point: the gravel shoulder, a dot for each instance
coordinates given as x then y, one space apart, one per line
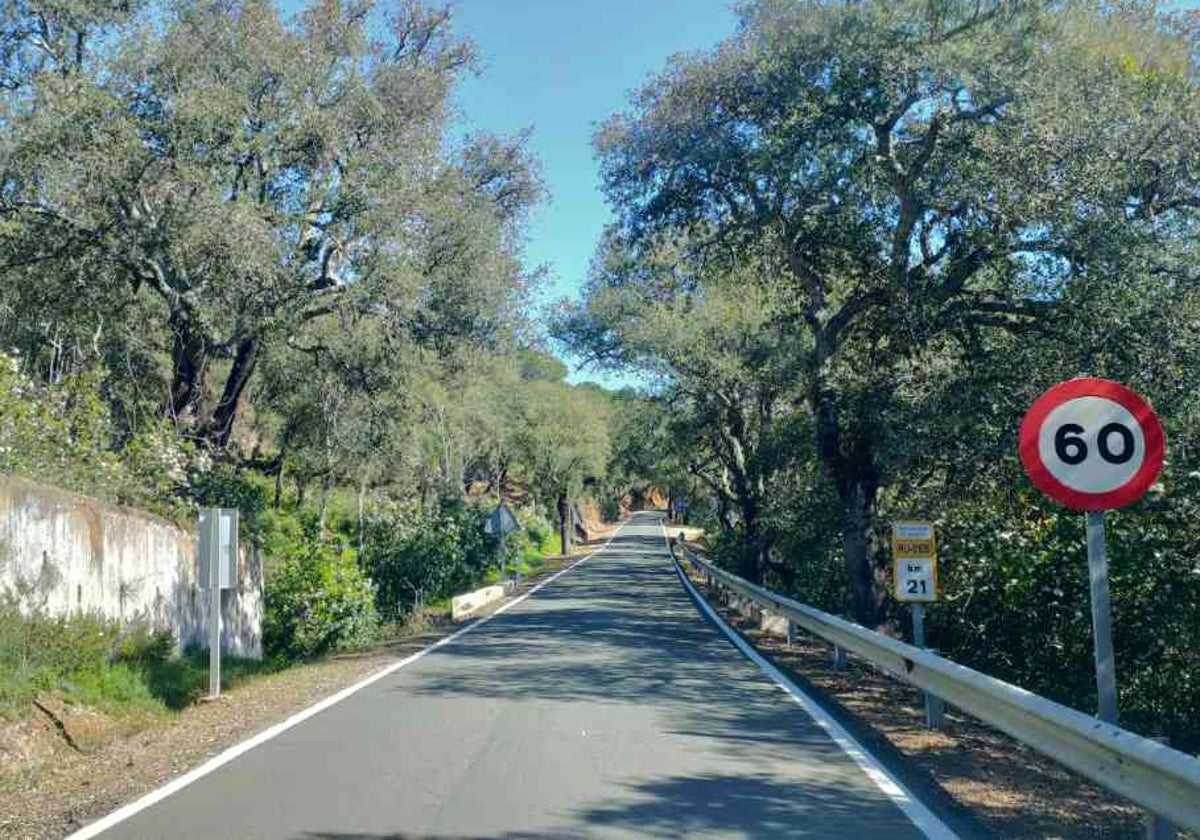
49 789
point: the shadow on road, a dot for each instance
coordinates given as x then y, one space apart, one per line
625 632
696 806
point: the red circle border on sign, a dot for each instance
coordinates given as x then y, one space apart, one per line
1130 491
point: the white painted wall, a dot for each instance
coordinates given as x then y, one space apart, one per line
66 552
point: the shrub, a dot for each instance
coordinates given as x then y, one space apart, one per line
415 556
142 647
113 688
65 434
317 600
538 530
38 640
84 656
224 486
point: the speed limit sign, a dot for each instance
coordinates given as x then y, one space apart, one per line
1092 444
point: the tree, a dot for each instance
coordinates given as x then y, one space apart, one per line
915 175
562 435
253 177
726 377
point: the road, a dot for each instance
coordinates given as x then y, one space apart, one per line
605 705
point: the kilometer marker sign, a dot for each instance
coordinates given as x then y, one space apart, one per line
1092 444
914 557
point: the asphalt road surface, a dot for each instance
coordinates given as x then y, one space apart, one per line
604 705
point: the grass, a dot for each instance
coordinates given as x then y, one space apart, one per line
122 688
180 681
532 558
88 660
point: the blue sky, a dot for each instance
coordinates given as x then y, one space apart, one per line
562 66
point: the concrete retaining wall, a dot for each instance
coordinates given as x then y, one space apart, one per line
66 553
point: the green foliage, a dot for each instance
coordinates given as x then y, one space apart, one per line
71 654
317 600
529 547
1017 606
115 688
379 222
94 662
180 681
415 556
226 486
562 435
64 434
35 639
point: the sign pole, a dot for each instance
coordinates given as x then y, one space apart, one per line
214 593
1106 669
935 708
503 558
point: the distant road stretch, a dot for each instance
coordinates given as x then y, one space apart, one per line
605 705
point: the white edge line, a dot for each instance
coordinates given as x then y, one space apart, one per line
924 819
221 759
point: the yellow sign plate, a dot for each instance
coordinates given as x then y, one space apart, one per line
913 541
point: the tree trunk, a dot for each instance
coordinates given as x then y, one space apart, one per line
854 475
723 513
188 356
564 523
751 561
326 489
362 498
860 551
502 482
220 427
283 447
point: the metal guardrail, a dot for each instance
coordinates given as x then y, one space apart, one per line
1162 780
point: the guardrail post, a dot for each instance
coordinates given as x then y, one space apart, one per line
839 658
1160 828
791 637
935 710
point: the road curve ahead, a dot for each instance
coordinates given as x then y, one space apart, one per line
603 706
